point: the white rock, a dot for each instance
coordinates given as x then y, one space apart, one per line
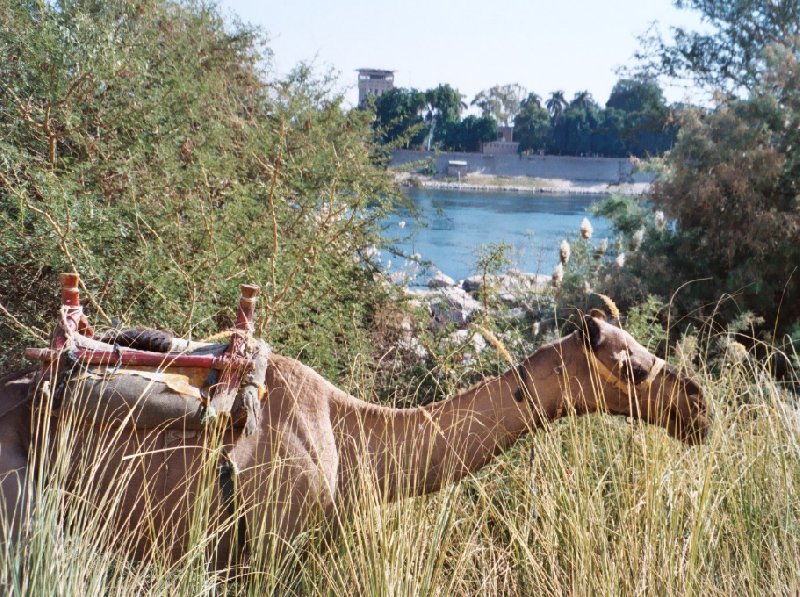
476 341
441 280
454 305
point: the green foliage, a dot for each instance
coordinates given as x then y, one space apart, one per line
730 187
398 117
143 146
636 121
636 95
572 131
644 322
444 103
532 127
468 134
501 102
731 52
490 258
556 104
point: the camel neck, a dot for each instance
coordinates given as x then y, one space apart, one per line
419 450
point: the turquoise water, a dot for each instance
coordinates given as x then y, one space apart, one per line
453 224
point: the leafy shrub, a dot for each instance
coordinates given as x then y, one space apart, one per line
145 146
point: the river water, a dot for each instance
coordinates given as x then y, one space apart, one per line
453 224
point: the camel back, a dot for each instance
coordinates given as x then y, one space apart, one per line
147 378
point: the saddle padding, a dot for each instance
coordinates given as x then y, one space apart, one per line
139 397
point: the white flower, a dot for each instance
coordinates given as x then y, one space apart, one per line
601 248
586 228
620 260
565 251
558 275
659 219
401 224
638 237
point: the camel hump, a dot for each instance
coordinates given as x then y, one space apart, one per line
141 339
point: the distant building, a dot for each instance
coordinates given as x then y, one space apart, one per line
372 81
457 168
504 144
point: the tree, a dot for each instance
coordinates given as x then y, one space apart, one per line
533 99
583 100
636 95
572 131
148 150
608 136
468 134
442 106
736 226
646 128
555 104
730 183
399 117
501 102
532 127
730 56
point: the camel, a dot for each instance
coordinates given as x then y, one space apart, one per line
314 440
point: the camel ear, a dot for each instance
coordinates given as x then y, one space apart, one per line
590 331
599 314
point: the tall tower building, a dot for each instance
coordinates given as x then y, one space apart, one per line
372 81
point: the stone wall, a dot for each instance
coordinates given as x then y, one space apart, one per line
596 170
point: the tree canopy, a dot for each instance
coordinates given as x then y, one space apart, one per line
142 145
731 55
730 183
501 102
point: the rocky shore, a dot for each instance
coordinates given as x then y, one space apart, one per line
522 184
454 304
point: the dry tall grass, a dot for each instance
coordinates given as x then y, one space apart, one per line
593 506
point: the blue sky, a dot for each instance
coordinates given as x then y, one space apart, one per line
545 46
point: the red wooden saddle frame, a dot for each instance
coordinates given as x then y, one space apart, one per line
73 334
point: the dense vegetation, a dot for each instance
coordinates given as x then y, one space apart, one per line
636 120
729 187
147 146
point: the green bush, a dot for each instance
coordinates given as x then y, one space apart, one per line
148 147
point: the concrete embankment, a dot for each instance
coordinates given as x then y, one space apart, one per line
534 173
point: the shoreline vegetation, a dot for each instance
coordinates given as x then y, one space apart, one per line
521 184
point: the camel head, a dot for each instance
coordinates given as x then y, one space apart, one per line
626 379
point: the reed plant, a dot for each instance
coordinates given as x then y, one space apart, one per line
591 506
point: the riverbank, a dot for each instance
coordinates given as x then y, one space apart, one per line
521 184
521 174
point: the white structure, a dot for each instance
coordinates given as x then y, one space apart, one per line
504 144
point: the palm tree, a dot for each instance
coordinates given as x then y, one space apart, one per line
555 104
583 99
533 99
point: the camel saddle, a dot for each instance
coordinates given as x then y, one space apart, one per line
147 378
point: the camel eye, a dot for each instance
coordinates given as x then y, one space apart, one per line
639 373
634 373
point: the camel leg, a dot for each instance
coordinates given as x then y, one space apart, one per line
14 444
13 481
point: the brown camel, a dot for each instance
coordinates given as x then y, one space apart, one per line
315 440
